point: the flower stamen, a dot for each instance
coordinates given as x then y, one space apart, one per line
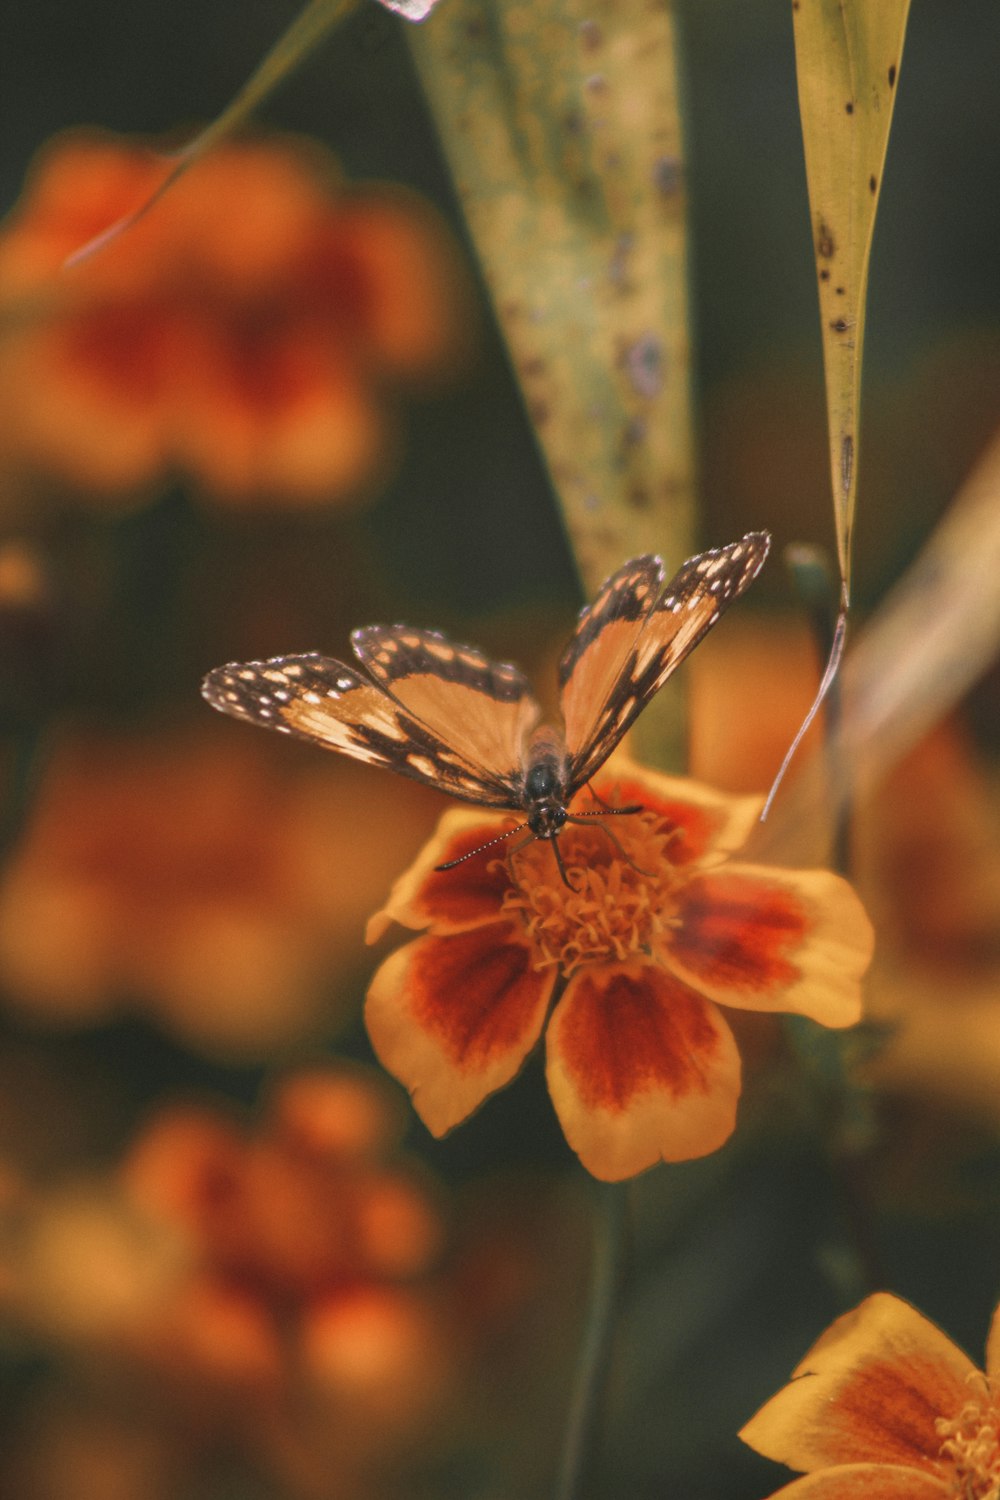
618 901
970 1445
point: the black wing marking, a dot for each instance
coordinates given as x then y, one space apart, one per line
325 701
456 692
602 646
683 612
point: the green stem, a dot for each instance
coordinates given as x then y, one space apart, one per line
849 1124
292 47
598 1339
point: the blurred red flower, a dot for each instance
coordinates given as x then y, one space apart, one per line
199 877
658 927
302 1241
243 330
271 1286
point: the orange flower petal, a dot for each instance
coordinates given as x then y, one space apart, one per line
451 900
774 940
709 823
993 1347
868 1391
641 1069
454 1017
864 1482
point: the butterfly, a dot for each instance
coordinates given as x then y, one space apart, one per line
446 715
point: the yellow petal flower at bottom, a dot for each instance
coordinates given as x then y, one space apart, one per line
864 1482
872 1389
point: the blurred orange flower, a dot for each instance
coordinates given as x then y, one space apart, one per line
302 1245
192 874
656 929
243 330
885 1407
275 1287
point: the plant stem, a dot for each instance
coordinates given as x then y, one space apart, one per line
598 1339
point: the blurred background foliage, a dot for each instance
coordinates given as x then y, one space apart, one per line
181 918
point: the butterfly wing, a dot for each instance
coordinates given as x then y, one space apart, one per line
649 629
457 693
603 644
325 701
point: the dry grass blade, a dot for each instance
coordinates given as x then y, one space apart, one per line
934 636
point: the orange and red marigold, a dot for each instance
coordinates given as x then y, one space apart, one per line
885 1407
658 926
243 331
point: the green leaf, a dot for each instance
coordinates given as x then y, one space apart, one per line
561 126
847 57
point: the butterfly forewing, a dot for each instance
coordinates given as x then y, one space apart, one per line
662 636
323 700
456 692
602 646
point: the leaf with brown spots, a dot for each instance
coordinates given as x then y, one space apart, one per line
847 58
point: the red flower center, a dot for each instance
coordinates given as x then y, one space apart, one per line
620 900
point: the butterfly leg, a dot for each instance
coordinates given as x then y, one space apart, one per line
554 841
614 839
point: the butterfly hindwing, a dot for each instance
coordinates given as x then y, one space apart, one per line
456 692
662 636
323 700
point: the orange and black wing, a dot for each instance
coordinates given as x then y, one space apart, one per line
482 707
634 635
323 700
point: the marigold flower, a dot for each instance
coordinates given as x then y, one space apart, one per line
885 1407
657 928
274 1285
305 1232
197 878
243 330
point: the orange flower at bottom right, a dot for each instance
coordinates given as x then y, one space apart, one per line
885 1407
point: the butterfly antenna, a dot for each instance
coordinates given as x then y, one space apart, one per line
480 847
606 811
832 667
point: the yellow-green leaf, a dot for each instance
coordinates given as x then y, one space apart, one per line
561 126
847 58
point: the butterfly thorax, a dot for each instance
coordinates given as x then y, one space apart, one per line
544 786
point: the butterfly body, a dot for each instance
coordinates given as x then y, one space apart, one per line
448 716
546 793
